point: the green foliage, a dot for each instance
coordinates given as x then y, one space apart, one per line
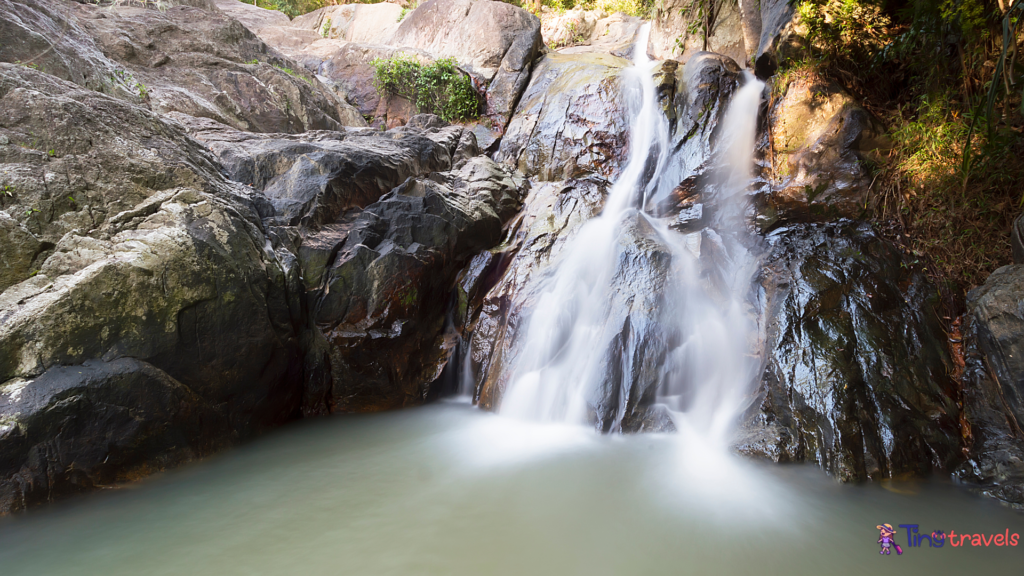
293 73
126 79
439 88
7 191
325 30
402 14
946 79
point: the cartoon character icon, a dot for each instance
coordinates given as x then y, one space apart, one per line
886 533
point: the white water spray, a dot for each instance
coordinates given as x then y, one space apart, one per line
706 367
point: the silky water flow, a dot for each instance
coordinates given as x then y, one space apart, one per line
709 333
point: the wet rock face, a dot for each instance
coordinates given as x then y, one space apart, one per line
994 386
382 300
823 146
782 36
571 121
312 178
154 291
75 428
856 375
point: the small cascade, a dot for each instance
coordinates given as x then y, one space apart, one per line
633 308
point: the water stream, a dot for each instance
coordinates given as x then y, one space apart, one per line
692 307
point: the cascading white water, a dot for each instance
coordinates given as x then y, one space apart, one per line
705 372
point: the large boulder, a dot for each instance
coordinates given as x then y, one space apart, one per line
48 36
823 151
857 375
494 41
569 28
993 393
613 34
74 428
572 120
185 59
383 299
131 346
312 178
365 23
347 67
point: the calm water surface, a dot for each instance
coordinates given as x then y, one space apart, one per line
450 490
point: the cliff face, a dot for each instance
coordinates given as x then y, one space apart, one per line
180 272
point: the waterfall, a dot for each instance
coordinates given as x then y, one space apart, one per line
629 299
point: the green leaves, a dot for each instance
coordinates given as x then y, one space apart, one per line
439 88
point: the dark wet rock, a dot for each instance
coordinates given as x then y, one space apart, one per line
155 257
382 303
571 121
704 87
993 395
75 428
823 149
312 178
782 36
857 371
695 98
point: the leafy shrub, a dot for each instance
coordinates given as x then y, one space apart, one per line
439 88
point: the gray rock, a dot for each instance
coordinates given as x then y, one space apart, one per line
365 23
185 59
572 119
670 37
494 41
782 36
155 257
857 372
313 178
384 297
993 387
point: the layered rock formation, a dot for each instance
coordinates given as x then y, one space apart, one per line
165 296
